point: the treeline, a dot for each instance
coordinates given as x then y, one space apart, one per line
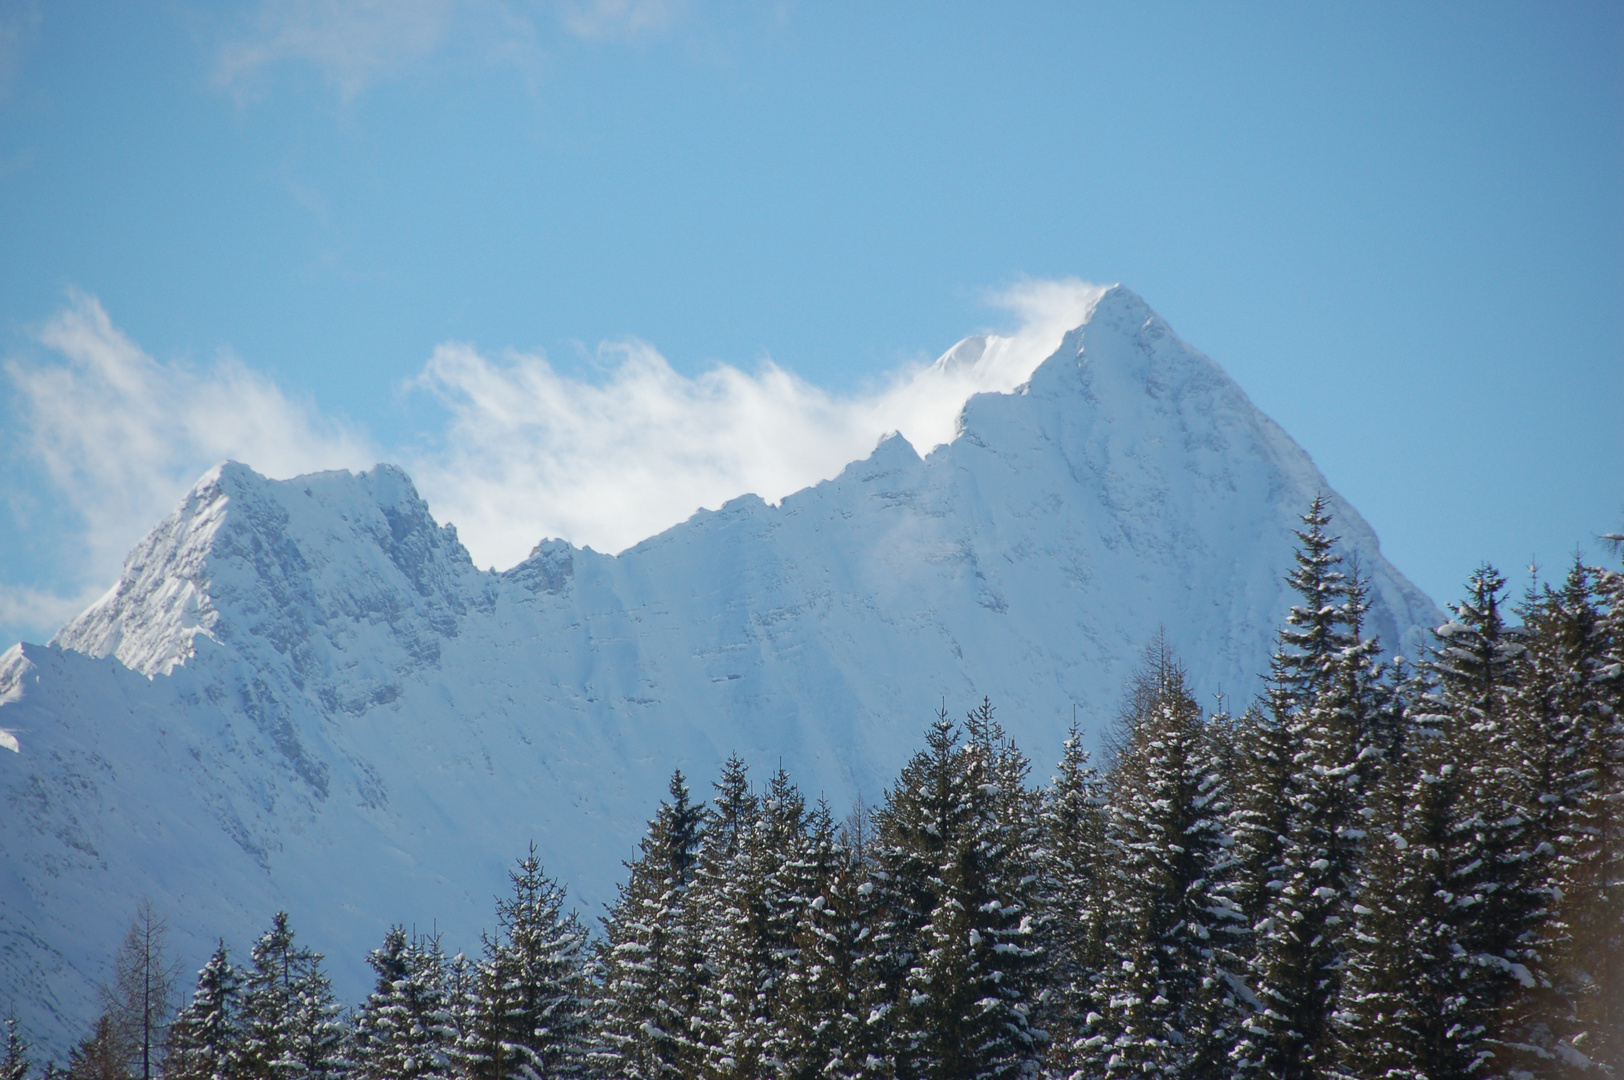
1375 870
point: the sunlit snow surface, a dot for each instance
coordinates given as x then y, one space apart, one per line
303 695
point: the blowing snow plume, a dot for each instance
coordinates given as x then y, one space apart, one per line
526 452
532 453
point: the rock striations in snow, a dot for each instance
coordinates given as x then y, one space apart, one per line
304 695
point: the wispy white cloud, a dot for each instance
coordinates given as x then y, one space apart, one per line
617 19
17 24
41 611
351 42
121 437
527 452
354 44
532 453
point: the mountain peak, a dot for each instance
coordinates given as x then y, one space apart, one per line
963 356
303 696
1124 335
262 550
1120 306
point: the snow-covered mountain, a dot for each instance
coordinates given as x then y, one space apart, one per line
302 694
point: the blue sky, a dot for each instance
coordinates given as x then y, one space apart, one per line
566 246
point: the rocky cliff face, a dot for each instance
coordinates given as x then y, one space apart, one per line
303 695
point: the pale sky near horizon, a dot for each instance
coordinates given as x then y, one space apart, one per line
649 254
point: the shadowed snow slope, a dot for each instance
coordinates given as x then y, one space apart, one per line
303 694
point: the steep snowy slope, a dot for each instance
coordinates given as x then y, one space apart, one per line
303 694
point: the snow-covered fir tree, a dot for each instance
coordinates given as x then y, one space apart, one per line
834 1005
783 858
533 1020
1317 629
315 1043
462 1005
648 989
15 1064
1072 865
1589 968
404 1029
721 918
1555 709
1263 760
1167 1000
1266 744
289 1020
205 1036
1017 808
748 923
961 915
1405 995
1501 895
1324 694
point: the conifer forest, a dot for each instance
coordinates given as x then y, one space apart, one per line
1380 868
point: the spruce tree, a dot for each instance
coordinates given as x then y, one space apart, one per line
462 1008
1455 869
1072 867
962 916
1269 751
1590 967
832 1008
1478 665
781 874
403 1031
648 990
315 1040
1264 761
205 1038
267 1000
1168 999
1555 708
15 1064
533 1017
756 873
723 922
289 1020
1317 628
1325 693
1406 1005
